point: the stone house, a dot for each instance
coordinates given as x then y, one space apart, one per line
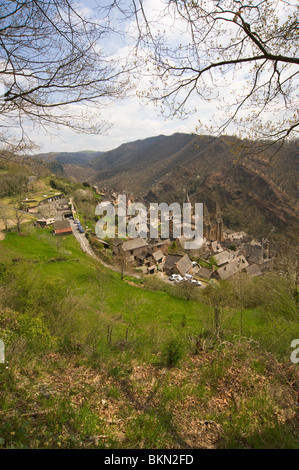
177 264
156 244
116 245
183 266
224 257
253 270
62 205
216 247
170 263
258 254
144 259
205 273
226 271
62 227
133 248
158 256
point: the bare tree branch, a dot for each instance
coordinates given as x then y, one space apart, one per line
252 43
51 59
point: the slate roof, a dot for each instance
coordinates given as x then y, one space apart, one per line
170 262
254 253
232 268
62 226
156 241
117 242
253 270
205 273
143 255
134 244
223 257
63 201
183 265
157 255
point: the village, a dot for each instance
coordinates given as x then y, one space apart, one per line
223 254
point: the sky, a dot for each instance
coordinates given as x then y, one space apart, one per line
132 118
130 121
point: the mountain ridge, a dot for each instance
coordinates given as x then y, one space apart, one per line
247 183
79 158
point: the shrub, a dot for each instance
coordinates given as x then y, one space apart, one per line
172 352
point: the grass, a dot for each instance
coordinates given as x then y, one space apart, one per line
94 362
125 306
138 313
36 192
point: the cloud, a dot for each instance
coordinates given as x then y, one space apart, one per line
131 120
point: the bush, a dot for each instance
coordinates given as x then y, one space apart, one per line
172 352
35 331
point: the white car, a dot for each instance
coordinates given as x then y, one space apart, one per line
176 277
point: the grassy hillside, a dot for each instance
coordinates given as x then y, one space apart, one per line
97 362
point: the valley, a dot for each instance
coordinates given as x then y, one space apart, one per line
101 354
248 184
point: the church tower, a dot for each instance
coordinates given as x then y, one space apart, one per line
219 221
206 222
213 223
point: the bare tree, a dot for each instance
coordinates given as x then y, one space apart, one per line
4 216
209 48
51 61
18 218
122 263
287 264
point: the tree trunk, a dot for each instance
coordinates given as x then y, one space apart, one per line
217 320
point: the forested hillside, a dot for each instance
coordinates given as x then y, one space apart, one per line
256 190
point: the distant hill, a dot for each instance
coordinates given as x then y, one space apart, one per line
70 158
255 193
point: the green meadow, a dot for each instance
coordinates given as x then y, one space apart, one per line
94 361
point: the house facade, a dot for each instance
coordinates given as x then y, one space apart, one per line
132 248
